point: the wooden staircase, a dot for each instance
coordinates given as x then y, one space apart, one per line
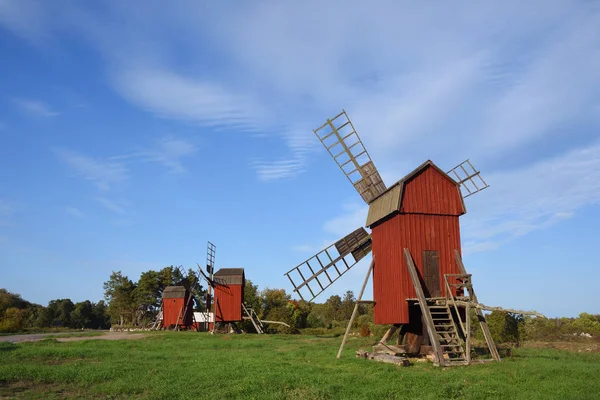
447 333
253 317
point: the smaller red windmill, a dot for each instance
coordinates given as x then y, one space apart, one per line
420 284
227 304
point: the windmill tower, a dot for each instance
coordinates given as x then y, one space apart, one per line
420 285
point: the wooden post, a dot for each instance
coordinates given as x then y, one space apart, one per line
484 327
468 338
435 343
339 354
388 334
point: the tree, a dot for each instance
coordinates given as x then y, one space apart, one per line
347 306
251 296
100 317
82 315
13 320
332 307
61 310
147 295
504 326
118 292
273 299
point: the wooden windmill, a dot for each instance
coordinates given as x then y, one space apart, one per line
227 304
420 284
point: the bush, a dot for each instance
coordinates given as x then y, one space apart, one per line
365 331
13 320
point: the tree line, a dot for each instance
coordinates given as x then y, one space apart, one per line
137 304
17 314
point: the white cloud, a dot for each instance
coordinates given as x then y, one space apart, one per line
280 169
102 173
172 95
116 206
169 151
24 17
418 80
35 107
531 198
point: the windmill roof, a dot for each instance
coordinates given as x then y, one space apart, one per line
229 276
389 201
174 292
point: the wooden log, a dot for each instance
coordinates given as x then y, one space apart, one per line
390 349
388 359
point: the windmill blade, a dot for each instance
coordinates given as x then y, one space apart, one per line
209 281
343 144
468 178
320 271
210 257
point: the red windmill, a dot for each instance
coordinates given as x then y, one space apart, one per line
420 285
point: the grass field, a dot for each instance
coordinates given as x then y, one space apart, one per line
197 365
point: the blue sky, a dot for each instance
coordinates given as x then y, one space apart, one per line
132 132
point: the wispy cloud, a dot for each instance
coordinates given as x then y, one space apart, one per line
24 17
172 95
102 173
35 107
116 206
531 198
75 212
169 151
279 169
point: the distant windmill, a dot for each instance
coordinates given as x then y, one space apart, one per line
227 305
416 217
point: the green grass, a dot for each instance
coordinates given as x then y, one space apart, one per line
198 365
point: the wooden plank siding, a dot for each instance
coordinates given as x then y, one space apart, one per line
427 221
430 192
173 309
228 303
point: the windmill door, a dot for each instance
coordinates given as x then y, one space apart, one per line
431 273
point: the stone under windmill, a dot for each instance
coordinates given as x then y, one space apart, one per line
420 284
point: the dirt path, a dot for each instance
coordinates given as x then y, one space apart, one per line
106 336
66 337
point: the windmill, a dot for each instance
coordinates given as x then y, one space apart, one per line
420 284
178 303
227 304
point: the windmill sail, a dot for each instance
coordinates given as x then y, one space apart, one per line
468 178
316 274
343 144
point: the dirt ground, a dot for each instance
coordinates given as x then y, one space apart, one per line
584 346
68 338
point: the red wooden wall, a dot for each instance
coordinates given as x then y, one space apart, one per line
428 220
228 303
171 310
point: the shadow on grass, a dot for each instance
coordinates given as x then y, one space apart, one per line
7 346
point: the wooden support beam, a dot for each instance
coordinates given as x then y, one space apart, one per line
484 327
437 350
468 333
386 337
362 290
